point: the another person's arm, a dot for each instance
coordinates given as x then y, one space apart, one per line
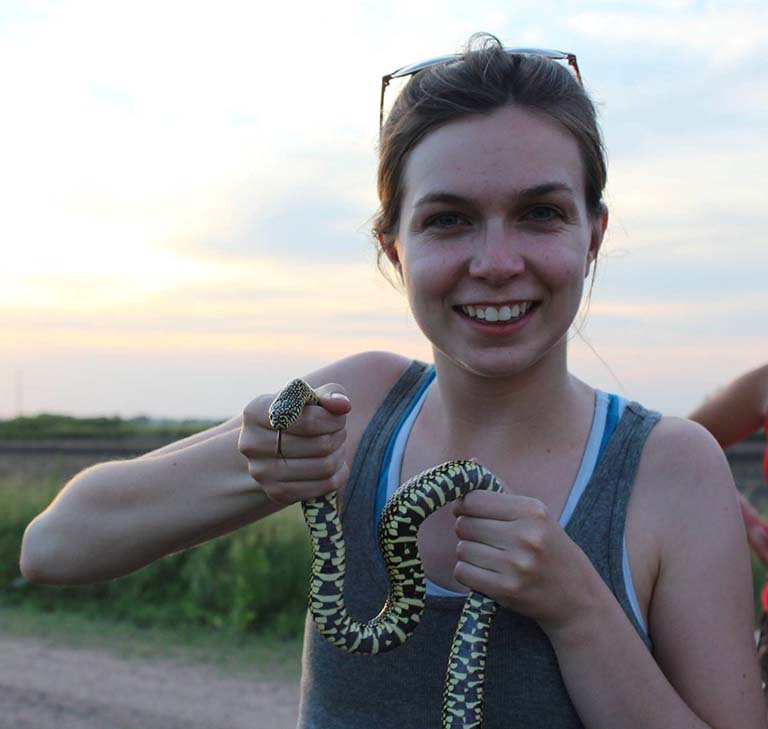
737 410
732 414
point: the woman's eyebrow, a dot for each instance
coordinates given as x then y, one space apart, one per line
452 198
439 196
545 188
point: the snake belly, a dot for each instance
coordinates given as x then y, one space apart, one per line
398 526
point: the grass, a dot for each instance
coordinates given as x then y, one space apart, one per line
251 583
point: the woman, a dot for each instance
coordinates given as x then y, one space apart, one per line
617 542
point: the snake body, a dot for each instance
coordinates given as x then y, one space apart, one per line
397 529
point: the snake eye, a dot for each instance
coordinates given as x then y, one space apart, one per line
280 416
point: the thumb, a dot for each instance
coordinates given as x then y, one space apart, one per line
333 397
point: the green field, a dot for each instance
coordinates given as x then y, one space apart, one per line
252 582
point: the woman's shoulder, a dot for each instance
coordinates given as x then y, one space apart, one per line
685 444
680 455
683 478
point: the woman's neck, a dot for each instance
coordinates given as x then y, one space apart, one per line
535 408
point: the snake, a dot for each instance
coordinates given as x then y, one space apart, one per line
412 503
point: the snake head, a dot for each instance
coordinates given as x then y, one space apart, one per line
282 415
286 408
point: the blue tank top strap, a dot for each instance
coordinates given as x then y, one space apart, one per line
616 407
389 476
608 410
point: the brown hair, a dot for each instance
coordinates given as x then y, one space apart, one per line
485 78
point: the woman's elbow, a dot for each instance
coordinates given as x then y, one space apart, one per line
37 559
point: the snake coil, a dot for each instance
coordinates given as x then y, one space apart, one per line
413 502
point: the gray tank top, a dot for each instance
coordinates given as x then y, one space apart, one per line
404 688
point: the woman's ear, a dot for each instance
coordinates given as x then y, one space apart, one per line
388 244
599 225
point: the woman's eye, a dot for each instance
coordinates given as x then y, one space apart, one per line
445 220
543 214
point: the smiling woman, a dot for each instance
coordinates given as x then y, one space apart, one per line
614 549
466 197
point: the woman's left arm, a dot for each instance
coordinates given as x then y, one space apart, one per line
686 540
700 615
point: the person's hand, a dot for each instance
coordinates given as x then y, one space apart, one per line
511 550
313 459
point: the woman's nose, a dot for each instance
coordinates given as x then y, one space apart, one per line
498 256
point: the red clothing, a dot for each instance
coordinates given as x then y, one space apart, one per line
764 595
765 455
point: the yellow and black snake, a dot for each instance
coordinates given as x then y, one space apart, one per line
399 523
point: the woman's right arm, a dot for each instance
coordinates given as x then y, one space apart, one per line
116 517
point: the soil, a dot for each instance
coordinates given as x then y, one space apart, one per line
48 686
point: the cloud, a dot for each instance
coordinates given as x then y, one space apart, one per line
306 222
719 35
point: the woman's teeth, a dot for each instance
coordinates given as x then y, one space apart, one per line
497 313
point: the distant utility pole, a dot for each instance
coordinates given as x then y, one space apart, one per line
19 392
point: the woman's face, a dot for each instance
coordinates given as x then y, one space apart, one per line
495 241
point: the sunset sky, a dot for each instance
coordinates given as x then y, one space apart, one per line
187 190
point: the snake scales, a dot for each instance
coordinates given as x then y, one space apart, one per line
399 523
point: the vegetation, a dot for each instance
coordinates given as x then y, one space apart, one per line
252 580
50 427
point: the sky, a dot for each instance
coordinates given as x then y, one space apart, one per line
186 190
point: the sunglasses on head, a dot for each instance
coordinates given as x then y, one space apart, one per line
570 58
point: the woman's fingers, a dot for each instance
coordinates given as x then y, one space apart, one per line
312 459
500 506
289 492
300 447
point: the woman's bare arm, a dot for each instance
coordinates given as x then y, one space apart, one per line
705 673
225 427
116 517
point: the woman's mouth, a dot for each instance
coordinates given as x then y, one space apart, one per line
497 313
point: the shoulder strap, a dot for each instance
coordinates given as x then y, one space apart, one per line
598 522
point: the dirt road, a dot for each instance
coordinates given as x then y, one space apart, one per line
44 686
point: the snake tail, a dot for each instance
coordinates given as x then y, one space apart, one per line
465 677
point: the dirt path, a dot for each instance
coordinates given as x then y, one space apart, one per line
44 686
